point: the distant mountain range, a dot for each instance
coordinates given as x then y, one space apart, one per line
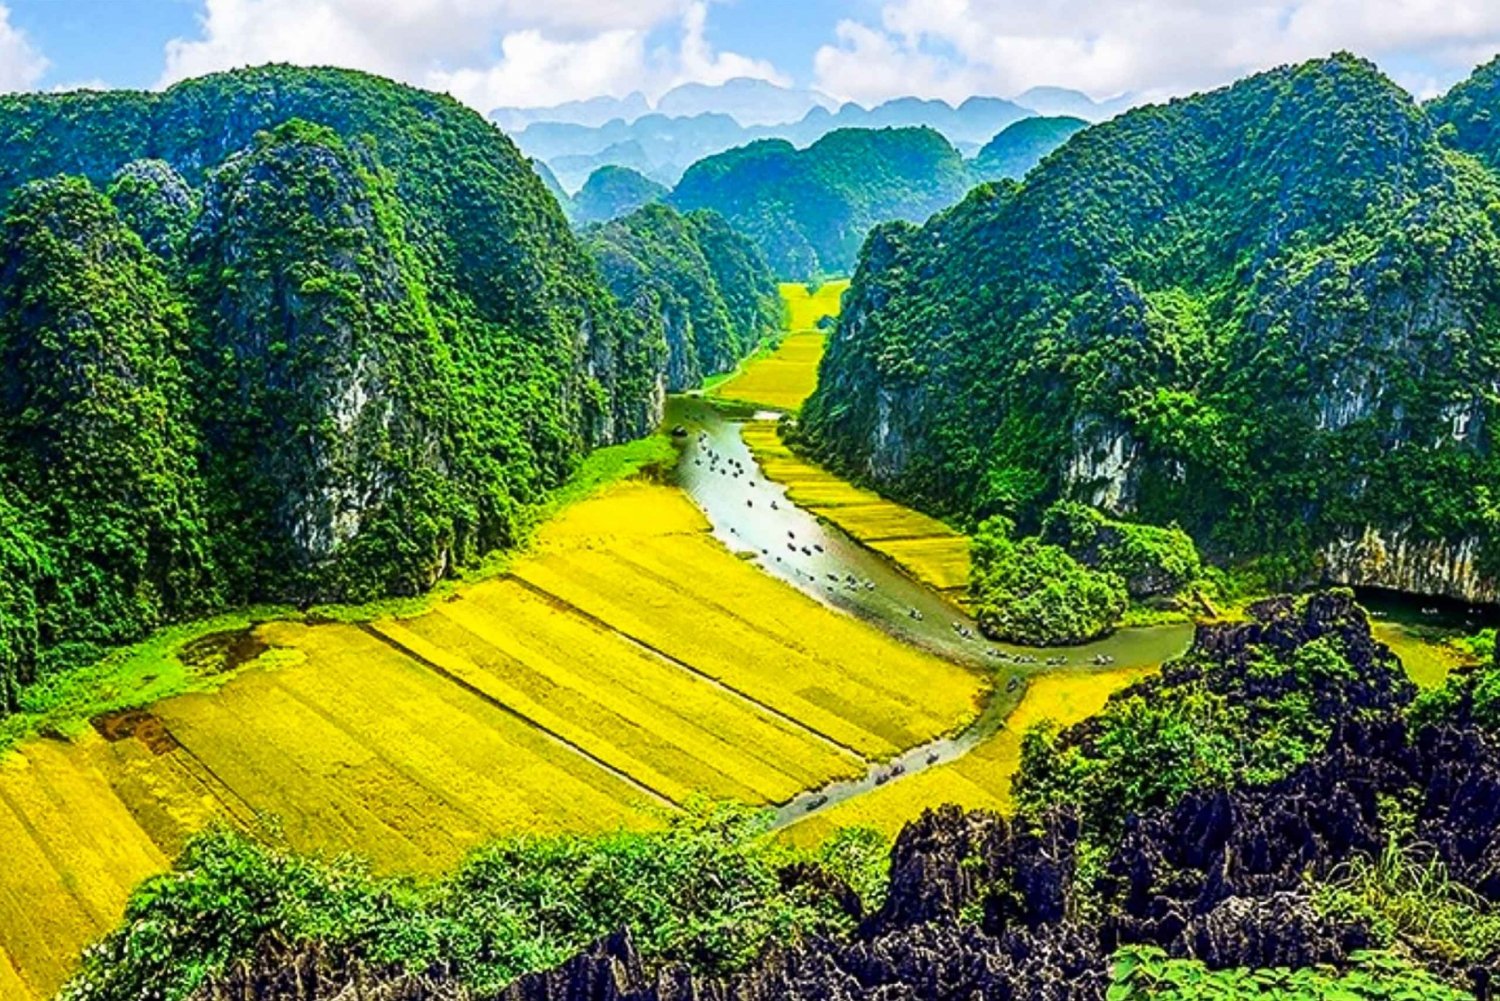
694 121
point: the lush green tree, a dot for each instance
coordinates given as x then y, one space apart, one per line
709 890
96 438
1028 591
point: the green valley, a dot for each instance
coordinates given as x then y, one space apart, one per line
844 544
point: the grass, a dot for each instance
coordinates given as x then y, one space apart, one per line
62 704
1427 654
806 304
1406 896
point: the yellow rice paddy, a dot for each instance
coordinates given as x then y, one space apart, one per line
980 780
786 376
924 547
628 662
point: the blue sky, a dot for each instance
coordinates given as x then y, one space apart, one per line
528 52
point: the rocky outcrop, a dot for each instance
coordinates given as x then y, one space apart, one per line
324 406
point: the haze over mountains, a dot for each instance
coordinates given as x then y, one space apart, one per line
696 120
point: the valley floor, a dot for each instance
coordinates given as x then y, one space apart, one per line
625 664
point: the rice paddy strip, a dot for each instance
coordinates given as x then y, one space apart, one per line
740 738
923 547
64 882
598 702
781 649
502 681
981 779
785 377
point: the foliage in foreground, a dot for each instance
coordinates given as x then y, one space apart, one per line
709 889
1145 973
1406 897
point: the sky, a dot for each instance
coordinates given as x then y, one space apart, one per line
526 53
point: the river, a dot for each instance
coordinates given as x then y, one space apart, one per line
752 516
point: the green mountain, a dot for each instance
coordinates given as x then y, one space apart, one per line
809 210
611 192
292 334
102 531
1266 312
702 289
1019 147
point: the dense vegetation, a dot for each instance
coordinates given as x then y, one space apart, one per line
291 335
1019 147
1074 580
1209 722
809 210
1265 312
695 284
708 890
1029 591
611 192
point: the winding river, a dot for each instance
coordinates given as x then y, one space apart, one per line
752 516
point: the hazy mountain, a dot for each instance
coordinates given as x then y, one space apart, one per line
592 113
1021 146
611 192
809 209
747 101
1062 101
663 146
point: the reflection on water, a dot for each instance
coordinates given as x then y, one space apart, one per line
752 516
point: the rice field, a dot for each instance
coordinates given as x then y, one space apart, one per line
924 547
626 663
784 377
980 780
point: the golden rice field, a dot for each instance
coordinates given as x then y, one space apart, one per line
980 780
628 662
806 306
924 547
786 376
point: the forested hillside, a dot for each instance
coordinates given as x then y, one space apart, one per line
697 286
288 334
1019 147
1266 312
611 192
809 210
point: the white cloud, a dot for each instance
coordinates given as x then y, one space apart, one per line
1156 48
485 52
21 63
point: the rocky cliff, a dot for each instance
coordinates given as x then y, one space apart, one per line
1175 318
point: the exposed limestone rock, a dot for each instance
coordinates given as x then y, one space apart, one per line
1394 560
